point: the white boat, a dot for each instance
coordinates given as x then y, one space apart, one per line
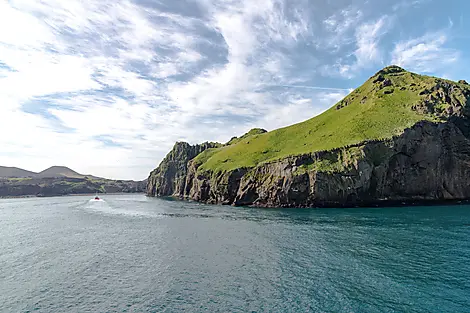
97 198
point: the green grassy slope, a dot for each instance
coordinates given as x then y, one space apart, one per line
252 132
379 109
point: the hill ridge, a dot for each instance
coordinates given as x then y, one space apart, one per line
399 137
390 101
54 171
59 171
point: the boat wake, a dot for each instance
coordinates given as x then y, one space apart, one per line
104 208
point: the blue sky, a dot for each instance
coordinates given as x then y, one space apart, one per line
107 87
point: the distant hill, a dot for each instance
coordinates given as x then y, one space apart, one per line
58 181
51 172
15 172
59 171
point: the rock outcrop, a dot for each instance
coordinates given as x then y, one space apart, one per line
430 161
170 176
426 160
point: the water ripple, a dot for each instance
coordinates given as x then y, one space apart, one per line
136 254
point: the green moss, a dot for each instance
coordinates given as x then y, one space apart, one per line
366 114
252 132
204 156
18 179
335 161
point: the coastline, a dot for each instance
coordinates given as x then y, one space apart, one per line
70 195
337 205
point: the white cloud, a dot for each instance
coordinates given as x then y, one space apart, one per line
81 47
368 37
339 26
144 77
405 5
298 109
425 54
38 74
367 52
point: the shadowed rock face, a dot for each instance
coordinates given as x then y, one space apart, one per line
170 176
430 161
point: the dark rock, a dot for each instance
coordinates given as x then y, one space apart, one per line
388 91
169 177
343 103
443 100
428 162
379 78
387 82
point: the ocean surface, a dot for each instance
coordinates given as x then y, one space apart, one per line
130 253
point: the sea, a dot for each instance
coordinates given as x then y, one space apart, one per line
130 253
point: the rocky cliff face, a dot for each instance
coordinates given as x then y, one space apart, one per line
430 161
169 177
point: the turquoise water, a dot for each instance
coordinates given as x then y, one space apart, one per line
134 254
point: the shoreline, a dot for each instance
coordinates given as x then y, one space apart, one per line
72 195
336 205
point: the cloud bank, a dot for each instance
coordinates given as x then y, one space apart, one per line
107 87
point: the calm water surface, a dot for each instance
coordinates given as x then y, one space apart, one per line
133 254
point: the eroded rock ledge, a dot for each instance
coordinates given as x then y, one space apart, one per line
429 161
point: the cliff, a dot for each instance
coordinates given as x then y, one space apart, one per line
170 176
400 137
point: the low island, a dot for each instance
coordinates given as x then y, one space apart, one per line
60 181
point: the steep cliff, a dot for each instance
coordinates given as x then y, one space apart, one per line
400 137
169 177
429 161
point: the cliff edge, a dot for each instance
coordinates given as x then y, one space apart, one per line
400 137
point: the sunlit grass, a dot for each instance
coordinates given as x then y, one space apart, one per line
372 112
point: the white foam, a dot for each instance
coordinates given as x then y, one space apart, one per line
95 200
101 207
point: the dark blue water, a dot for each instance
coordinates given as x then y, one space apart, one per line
133 254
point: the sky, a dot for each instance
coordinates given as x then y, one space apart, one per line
106 87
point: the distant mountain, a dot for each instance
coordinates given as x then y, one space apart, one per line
59 171
51 172
6 171
58 181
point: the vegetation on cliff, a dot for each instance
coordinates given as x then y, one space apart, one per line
169 178
383 107
400 137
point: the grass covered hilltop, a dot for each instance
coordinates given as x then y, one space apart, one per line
398 128
383 107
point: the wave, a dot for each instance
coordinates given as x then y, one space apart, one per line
104 208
